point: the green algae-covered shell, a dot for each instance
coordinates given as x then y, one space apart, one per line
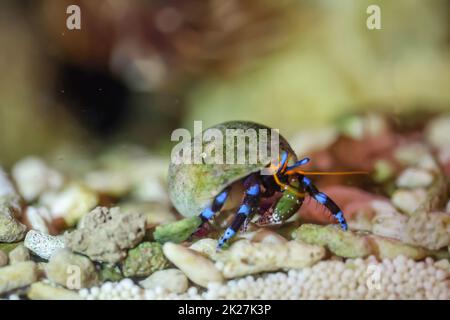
192 187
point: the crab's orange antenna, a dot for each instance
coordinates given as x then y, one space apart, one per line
285 163
326 173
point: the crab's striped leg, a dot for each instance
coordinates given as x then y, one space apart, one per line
209 212
245 210
323 199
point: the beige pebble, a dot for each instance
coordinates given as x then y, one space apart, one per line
71 270
19 254
437 132
206 246
173 280
195 266
267 236
16 276
408 201
414 178
42 291
3 259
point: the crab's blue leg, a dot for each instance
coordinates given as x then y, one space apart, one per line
209 212
323 199
250 202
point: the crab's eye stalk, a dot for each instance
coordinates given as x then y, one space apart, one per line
298 164
283 162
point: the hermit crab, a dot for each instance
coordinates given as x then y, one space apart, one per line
203 188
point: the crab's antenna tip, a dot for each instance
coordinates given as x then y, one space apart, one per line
329 173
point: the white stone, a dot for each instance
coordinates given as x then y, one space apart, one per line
43 245
70 203
408 201
38 218
414 178
387 221
438 132
33 177
173 280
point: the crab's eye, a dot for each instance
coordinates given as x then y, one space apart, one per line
284 158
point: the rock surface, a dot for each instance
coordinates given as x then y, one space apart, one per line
19 254
172 280
144 259
106 234
178 231
342 243
44 291
3 259
11 230
244 257
349 244
17 276
71 270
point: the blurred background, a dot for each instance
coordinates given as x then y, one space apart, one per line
139 69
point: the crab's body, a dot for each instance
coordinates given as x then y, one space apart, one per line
204 188
192 187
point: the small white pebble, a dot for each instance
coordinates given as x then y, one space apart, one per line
107 287
192 291
149 295
125 294
127 283
135 290
95 291
83 293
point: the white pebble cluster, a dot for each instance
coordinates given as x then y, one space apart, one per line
354 279
400 278
123 290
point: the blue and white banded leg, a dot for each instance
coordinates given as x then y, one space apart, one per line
246 209
323 199
209 212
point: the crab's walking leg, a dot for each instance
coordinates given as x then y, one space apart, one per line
209 212
323 199
247 207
